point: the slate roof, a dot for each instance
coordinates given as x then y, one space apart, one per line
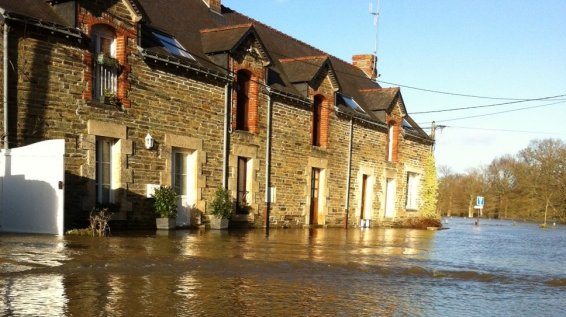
204 33
224 39
37 9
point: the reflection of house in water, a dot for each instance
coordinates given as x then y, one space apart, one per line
226 100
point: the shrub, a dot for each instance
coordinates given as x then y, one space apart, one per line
222 206
421 223
165 203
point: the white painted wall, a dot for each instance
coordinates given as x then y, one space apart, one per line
30 198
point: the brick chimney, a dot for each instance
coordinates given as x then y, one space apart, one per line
367 63
214 5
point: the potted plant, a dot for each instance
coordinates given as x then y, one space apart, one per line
110 98
165 205
221 209
108 61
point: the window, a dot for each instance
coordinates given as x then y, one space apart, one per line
104 180
317 120
243 79
350 102
172 45
413 184
242 192
390 142
180 175
105 66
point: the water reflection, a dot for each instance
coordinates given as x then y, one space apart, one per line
316 272
33 295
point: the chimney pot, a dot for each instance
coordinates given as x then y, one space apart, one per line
367 63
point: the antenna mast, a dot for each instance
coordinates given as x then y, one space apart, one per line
375 22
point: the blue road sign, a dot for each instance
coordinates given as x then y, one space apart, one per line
480 201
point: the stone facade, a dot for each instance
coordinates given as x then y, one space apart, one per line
183 109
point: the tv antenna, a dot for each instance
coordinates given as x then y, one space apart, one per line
375 14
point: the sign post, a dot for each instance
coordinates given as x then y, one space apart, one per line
480 201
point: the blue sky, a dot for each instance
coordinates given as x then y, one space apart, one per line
503 49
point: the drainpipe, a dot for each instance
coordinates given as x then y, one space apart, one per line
268 162
227 113
5 83
349 173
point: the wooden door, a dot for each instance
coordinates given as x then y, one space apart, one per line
315 191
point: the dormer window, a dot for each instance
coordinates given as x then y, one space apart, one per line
105 65
243 79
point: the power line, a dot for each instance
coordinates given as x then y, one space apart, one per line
513 100
499 130
450 93
500 112
490 105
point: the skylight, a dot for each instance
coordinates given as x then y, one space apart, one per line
350 102
172 45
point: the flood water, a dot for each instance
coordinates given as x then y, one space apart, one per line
496 269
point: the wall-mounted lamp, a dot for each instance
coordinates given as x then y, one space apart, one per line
149 142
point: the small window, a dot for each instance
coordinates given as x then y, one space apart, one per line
243 79
317 121
413 184
105 65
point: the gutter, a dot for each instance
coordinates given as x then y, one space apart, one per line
179 63
68 31
226 146
287 96
268 161
5 32
381 125
349 173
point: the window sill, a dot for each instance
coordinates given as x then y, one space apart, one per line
103 105
320 148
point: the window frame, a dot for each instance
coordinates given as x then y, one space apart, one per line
242 189
182 175
243 85
317 120
105 152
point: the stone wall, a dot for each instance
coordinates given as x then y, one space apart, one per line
184 110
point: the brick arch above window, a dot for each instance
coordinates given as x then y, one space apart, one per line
392 141
97 28
320 121
245 112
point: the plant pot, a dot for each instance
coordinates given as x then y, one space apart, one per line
218 223
165 223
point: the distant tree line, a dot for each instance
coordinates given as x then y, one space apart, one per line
530 185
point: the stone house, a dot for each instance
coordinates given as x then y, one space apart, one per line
298 136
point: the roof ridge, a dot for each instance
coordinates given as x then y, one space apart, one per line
379 89
254 21
302 58
229 27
